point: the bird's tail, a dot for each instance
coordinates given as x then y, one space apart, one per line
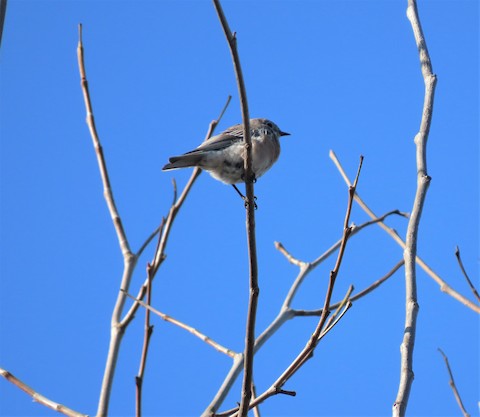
183 161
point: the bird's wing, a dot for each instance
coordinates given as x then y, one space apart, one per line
221 141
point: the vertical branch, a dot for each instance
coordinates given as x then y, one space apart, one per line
410 252
129 259
250 207
148 329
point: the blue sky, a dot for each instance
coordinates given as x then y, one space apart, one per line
339 75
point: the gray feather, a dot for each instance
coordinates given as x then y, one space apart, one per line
183 161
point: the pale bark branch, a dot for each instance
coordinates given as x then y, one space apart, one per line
39 397
410 253
129 259
186 327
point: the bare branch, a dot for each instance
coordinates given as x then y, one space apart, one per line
107 188
342 308
307 351
444 287
410 252
148 330
286 313
186 327
39 397
289 257
312 343
355 297
129 259
460 264
250 207
453 386
256 410
118 326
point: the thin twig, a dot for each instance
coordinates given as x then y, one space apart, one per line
290 258
357 296
256 410
444 287
186 327
453 385
39 397
344 305
107 188
410 253
148 330
250 208
129 259
460 264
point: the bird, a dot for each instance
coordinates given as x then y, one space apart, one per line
223 155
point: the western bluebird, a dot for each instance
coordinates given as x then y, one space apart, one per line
223 155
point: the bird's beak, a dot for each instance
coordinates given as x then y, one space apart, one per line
284 133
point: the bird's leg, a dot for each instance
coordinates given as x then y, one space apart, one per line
243 197
239 192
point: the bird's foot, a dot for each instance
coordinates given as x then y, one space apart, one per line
245 199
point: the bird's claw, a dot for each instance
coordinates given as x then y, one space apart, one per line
245 199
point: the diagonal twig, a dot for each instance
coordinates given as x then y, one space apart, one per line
453 386
354 297
186 327
39 397
460 264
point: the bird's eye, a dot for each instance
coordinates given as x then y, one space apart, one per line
269 124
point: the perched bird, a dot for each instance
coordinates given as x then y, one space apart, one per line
223 155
